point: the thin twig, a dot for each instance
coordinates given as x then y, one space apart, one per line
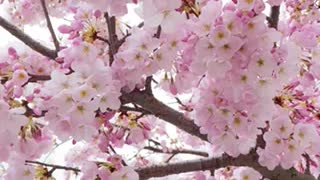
26 39
172 156
136 109
76 170
158 33
177 151
114 151
49 25
103 39
155 142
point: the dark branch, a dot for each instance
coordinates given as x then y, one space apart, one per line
15 31
49 25
162 111
274 17
35 78
215 163
113 39
149 85
158 33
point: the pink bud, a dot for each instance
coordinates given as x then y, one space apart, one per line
229 7
30 98
65 29
128 140
36 133
11 51
173 89
37 111
103 143
17 66
36 91
97 13
9 84
73 9
120 133
17 91
74 141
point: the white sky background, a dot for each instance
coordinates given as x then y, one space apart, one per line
42 34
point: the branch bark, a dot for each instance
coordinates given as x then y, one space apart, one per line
162 111
273 19
216 163
157 108
49 25
113 39
26 39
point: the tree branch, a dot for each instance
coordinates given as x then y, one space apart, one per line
149 85
216 163
103 39
15 31
157 108
160 110
177 151
274 17
35 78
76 170
49 25
113 39
136 109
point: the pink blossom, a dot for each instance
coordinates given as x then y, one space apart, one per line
246 173
228 49
245 4
20 77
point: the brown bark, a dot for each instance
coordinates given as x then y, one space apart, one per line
26 39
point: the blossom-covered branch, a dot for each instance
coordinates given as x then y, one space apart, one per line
166 113
162 111
254 102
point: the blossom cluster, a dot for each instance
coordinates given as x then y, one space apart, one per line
254 87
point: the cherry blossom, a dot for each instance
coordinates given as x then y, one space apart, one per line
194 86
